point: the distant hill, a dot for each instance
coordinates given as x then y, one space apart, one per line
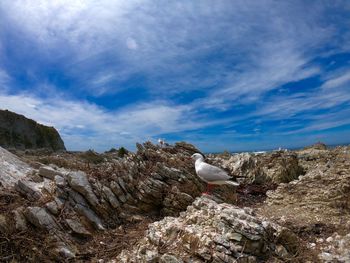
17 131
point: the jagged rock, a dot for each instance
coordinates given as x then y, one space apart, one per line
276 167
176 201
319 196
110 197
213 232
245 166
54 206
30 189
79 182
78 228
90 215
60 181
186 147
281 167
39 217
49 172
63 251
317 203
12 169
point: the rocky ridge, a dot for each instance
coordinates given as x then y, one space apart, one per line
94 213
125 190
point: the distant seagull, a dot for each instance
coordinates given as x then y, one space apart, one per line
161 142
210 174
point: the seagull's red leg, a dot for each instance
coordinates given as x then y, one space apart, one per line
209 188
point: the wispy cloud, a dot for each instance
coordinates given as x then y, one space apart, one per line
121 71
84 124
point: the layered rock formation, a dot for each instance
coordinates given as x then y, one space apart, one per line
89 215
16 131
275 167
212 232
318 203
120 191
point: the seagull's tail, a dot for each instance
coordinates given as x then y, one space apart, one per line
232 183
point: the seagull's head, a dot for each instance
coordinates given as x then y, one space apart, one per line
197 156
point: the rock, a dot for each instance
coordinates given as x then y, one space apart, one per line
20 221
79 182
329 239
318 197
90 216
12 169
110 197
49 172
337 250
78 228
39 217
36 178
183 146
275 167
281 251
245 166
317 146
60 181
54 206
63 251
30 189
211 231
281 167
167 258
176 201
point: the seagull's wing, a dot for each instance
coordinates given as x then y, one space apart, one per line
212 173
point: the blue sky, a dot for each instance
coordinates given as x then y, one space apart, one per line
224 75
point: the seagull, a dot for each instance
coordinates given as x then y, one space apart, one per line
210 174
161 142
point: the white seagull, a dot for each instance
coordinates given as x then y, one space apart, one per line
210 174
161 142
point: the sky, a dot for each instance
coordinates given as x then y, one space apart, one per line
223 75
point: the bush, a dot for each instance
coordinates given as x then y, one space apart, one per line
122 151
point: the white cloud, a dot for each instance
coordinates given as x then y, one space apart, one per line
4 79
232 53
131 43
85 125
337 81
265 41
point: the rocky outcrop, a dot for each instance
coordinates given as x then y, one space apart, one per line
317 204
212 232
11 169
16 131
246 168
82 215
317 146
276 167
154 181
